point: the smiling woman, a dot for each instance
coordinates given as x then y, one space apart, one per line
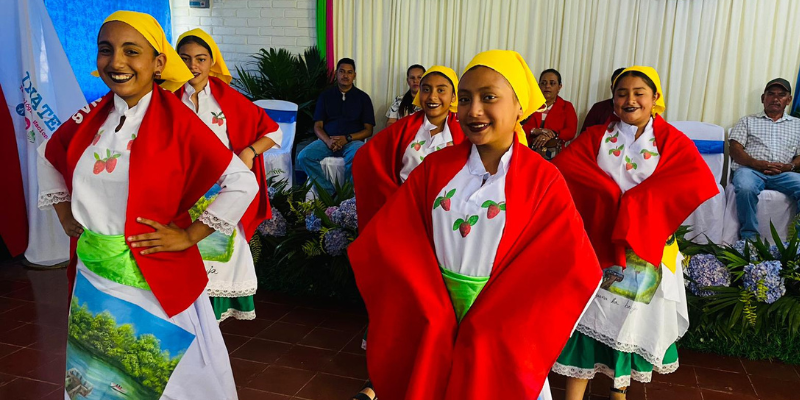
103 171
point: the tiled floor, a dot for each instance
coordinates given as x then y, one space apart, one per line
311 350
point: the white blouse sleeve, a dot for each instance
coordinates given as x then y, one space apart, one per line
277 137
239 188
52 187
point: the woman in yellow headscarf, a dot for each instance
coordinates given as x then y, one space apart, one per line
246 129
122 175
460 267
634 181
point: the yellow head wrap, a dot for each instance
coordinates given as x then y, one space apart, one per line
175 73
450 74
218 68
651 73
514 68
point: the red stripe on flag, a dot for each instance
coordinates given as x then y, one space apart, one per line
13 217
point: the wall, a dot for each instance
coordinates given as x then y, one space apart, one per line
241 27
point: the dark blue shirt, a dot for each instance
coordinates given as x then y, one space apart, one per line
344 117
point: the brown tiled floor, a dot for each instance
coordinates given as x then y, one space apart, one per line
304 350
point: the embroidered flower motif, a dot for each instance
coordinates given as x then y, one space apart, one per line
493 208
108 163
417 145
465 225
218 118
647 154
629 165
444 201
617 150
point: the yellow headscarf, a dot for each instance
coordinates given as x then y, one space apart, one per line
514 68
450 74
175 73
218 68
651 73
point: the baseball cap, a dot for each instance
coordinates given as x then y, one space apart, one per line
780 82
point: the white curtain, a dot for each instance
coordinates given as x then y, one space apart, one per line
714 56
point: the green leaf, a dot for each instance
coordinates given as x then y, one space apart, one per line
488 203
472 220
108 153
437 202
421 142
450 194
457 224
503 206
96 157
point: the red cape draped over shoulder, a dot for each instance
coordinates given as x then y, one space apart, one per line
377 164
643 218
174 160
544 274
247 123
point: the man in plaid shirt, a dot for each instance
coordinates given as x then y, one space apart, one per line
765 148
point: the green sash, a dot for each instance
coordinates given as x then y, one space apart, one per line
463 290
110 257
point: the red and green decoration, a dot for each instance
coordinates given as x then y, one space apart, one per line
444 201
616 151
647 154
217 118
325 32
612 139
629 165
108 163
493 208
465 225
417 145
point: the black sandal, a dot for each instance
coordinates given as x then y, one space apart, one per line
364 396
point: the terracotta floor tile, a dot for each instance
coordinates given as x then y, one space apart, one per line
684 376
5 378
41 314
265 351
776 370
272 311
26 389
711 361
21 362
249 328
57 394
775 389
7 286
305 316
308 358
52 371
345 322
328 339
354 345
331 387
252 394
244 371
51 340
557 381
285 332
24 335
663 391
25 294
714 395
349 365
7 304
233 342
724 381
281 380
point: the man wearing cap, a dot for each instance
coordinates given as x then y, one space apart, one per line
764 148
343 118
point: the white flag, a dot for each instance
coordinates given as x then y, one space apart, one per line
41 91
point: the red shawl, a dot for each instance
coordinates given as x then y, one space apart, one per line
13 214
644 217
562 119
377 165
175 159
247 123
544 274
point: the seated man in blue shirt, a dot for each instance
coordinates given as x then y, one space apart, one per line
765 148
343 118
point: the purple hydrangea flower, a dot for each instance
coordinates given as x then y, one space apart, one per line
330 210
705 270
345 216
335 242
767 274
275 226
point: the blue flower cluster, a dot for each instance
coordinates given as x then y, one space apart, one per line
335 242
766 273
739 246
271 192
275 226
706 270
345 216
313 223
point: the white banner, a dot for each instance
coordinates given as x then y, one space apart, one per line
41 91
